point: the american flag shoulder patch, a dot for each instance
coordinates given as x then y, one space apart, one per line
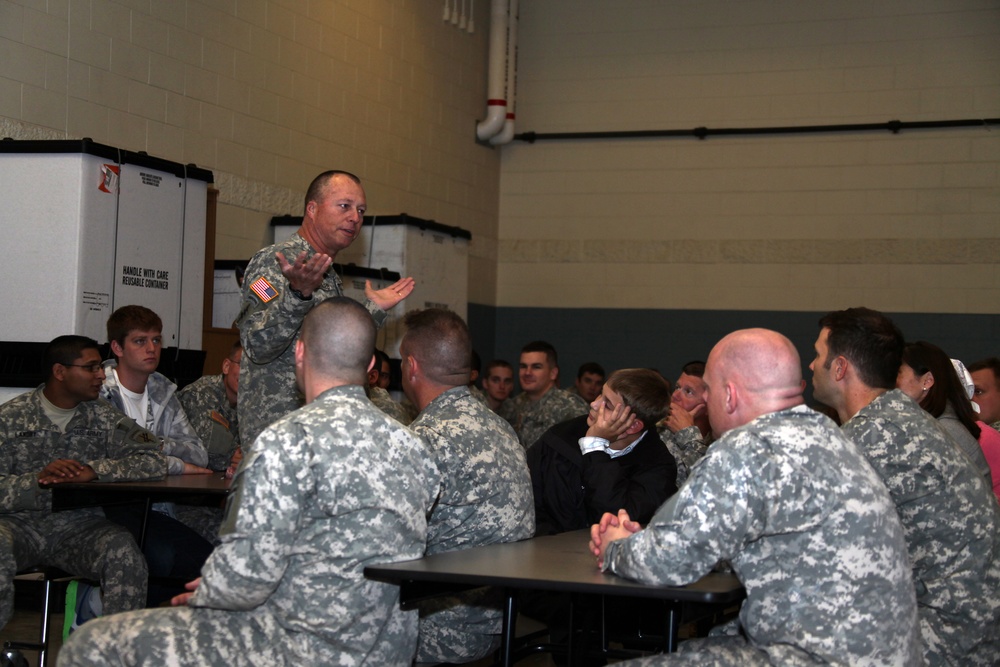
263 289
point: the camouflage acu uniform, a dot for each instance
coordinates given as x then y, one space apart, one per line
324 492
810 531
215 422
213 419
966 442
269 322
952 527
165 417
506 412
383 401
687 446
477 393
79 541
531 419
485 499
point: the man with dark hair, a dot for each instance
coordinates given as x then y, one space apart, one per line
791 503
589 380
498 383
686 430
541 402
325 491
486 492
283 282
60 433
986 380
381 373
950 517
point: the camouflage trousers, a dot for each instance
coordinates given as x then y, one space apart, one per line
719 652
81 542
178 636
201 519
460 628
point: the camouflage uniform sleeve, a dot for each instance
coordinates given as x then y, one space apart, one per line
691 445
17 492
268 327
378 315
575 406
261 524
133 454
180 439
700 525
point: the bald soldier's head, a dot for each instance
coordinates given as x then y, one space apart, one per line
334 347
749 373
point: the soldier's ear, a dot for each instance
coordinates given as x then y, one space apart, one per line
58 372
732 399
300 352
414 366
840 365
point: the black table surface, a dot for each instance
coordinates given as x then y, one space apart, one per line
86 494
555 563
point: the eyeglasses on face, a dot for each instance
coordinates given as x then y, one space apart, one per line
90 368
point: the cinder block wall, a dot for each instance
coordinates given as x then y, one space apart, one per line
903 223
266 94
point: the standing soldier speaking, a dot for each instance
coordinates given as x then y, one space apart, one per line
281 285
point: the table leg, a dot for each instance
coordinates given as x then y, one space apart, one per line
673 625
145 522
509 628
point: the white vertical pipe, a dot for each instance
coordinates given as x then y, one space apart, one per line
496 105
505 135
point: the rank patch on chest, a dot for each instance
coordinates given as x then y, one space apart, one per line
263 289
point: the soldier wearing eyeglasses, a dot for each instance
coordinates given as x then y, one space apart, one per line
61 433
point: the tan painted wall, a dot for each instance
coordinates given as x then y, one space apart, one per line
268 93
906 223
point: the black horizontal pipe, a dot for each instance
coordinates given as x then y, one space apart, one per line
893 126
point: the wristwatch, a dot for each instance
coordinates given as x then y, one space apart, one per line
299 295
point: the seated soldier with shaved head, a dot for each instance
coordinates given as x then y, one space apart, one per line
486 491
325 491
791 503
